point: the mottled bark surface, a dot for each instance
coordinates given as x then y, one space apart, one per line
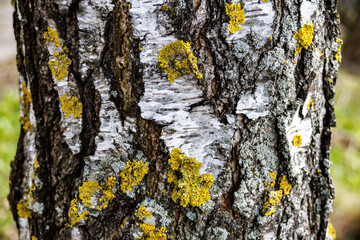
109 89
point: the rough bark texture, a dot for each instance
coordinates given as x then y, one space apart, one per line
100 117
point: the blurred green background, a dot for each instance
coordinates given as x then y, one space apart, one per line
345 152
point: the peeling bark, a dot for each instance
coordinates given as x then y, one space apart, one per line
142 111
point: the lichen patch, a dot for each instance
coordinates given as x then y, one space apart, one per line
176 59
304 37
273 198
236 14
133 174
190 187
71 106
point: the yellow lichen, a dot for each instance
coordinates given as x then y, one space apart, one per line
274 197
236 15
140 46
107 193
134 172
23 209
270 38
73 213
338 53
164 8
297 140
60 65
272 183
33 176
285 186
142 213
123 223
149 229
51 36
304 37
176 59
190 187
310 104
27 99
71 105
332 231
87 192
34 238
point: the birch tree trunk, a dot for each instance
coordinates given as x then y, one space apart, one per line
175 119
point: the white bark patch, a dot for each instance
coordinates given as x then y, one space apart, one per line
254 105
63 5
75 234
259 17
197 132
24 230
113 139
308 9
302 127
71 126
91 23
30 155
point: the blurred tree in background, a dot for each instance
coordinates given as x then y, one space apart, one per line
350 20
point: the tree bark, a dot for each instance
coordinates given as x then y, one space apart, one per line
183 119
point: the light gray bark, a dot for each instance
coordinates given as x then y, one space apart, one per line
253 106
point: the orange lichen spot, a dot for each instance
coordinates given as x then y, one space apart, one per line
310 104
236 15
71 105
297 140
319 170
25 120
51 36
165 8
134 172
23 209
270 38
190 187
329 80
59 66
338 53
332 231
142 213
176 59
304 37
